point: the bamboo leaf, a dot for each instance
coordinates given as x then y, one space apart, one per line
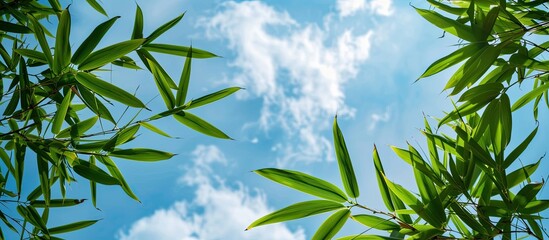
31 215
108 90
304 182
482 93
14 28
94 173
108 54
199 125
528 97
451 59
178 50
162 85
332 225
62 51
32 54
55 203
43 177
138 24
38 30
535 206
141 154
78 129
212 97
154 129
454 27
346 170
380 175
162 29
368 237
92 40
115 172
473 69
525 195
376 222
296 211
94 104
61 113
184 80
95 5
121 137
71 227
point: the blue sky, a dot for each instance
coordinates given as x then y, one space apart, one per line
300 63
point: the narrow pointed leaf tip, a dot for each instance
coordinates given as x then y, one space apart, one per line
344 162
304 182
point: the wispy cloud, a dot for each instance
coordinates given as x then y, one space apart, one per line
298 70
218 211
351 7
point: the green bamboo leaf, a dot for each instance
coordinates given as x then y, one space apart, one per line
32 54
78 129
71 227
43 169
526 98
163 86
108 54
146 57
55 5
482 93
95 5
368 237
535 206
526 194
138 24
20 151
121 137
31 215
61 113
344 162
141 154
376 222
199 125
14 28
380 175
94 104
115 172
38 30
473 68
332 225
184 80
162 29
518 176
489 21
93 185
108 90
62 51
14 102
467 218
296 211
94 173
454 27
452 59
503 126
55 203
154 129
519 149
126 62
304 182
178 50
92 40
212 97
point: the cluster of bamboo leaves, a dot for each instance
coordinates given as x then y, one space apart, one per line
469 184
59 114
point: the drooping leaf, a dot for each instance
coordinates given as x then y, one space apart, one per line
178 50
141 154
38 30
71 227
62 51
296 211
528 97
199 125
212 97
332 225
163 86
94 104
304 182
108 90
454 27
59 116
94 173
154 129
346 170
115 172
162 29
92 40
108 54
31 215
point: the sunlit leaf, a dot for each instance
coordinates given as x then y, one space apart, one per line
199 125
376 222
94 173
380 176
296 211
526 194
528 97
178 50
332 225
452 59
212 97
78 129
184 80
138 24
59 116
38 30
92 40
95 104
304 182
108 90
154 129
115 172
121 137
108 54
473 69
346 170
62 51
165 27
368 237
535 206
163 86
141 154
31 215
449 25
95 5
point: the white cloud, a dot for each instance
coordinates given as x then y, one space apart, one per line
298 70
351 7
217 211
378 117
